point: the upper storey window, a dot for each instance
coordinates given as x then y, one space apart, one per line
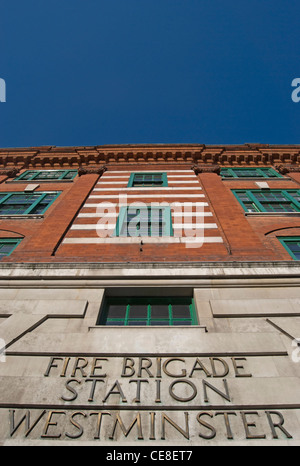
46 175
292 245
26 203
272 200
249 172
147 179
7 245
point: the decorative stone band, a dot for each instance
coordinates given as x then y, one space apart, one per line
206 169
92 170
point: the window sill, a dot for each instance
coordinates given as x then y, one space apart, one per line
258 178
37 181
20 216
118 327
272 214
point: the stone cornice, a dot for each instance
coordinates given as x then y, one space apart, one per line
90 156
196 274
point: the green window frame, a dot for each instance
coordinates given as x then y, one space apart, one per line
148 311
46 175
269 200
144 221
249 172
23 203
151 179
292 245
7 246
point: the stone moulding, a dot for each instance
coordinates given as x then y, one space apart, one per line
284 169
77 157
91 170
198 169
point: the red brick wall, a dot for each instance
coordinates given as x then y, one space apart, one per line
244 237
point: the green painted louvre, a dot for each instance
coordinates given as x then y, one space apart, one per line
44 175
249 172
147 179
148 311
269 200
144 221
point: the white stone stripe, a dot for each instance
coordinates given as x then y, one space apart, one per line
102 226
115 214
148 188
127 176
109 172
121 204
132 196
152 187
145 239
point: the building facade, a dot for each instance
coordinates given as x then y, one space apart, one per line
150 295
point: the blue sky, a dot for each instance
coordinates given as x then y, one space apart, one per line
95 72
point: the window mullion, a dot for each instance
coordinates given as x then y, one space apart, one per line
256 201
232 172
8 195
291 198
34 175
32 206
262 173
127 314
170 314
63 174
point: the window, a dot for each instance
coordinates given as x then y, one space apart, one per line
273 200
148 311
19 203
292 245
144 221
45 175
7 245
249 172
147 179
